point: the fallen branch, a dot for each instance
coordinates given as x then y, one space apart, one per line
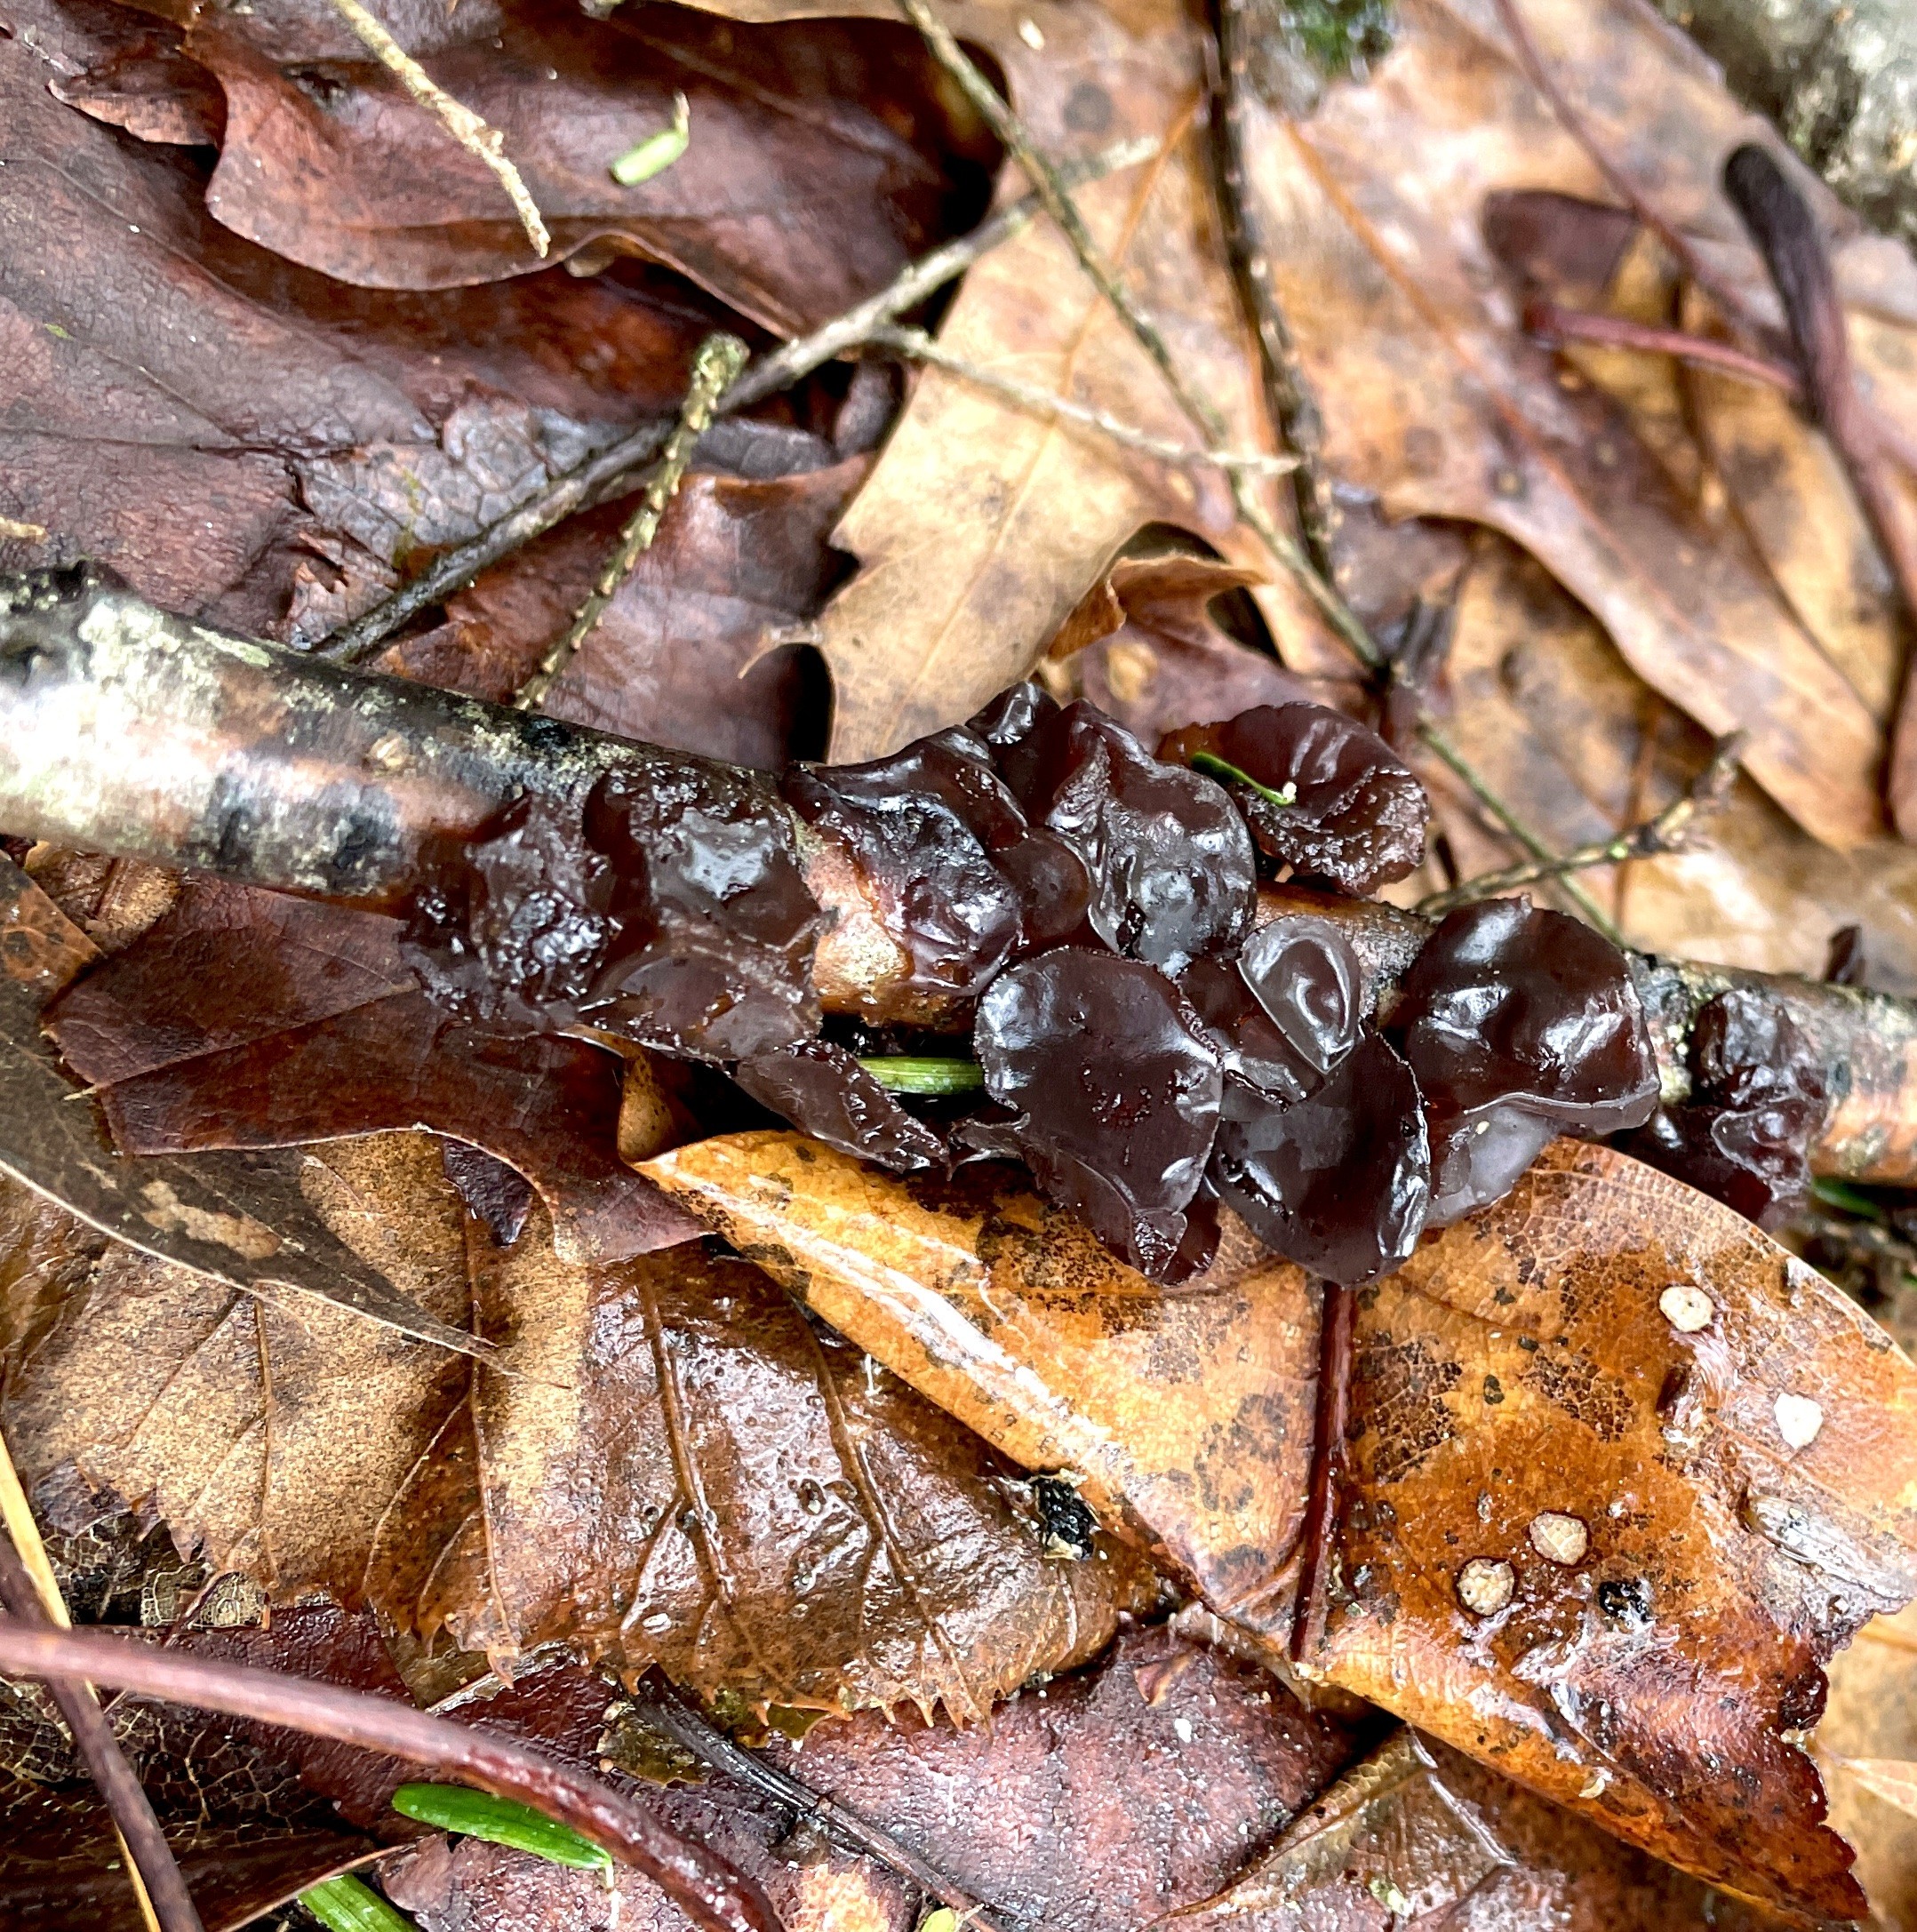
486 144
707 1888
154 738
605 474
714 368
1671 831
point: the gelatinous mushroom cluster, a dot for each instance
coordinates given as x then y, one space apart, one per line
1143 1045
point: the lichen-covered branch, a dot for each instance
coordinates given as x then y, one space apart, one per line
127 731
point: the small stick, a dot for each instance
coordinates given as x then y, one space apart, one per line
1670 831
601 475
1287 395
1337 1331
671 1712
485 143
714 368
30 1592
919 347
707 1888
1014 136
1552 324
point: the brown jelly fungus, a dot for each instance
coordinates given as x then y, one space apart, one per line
1116 1092
824 1091
1520 1024
1758 1098
1338 1182
1304 973
1326 795
1173 875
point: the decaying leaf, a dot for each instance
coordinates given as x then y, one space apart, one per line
250 1019
686 654
242 1218
1872 1717
679 1469
797 196
1444 407
1522 1399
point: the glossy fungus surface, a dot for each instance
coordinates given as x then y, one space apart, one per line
1519 1025
1758 1099
824 1091
1116 1092
1354 814
1302 970
1173 875
1339 1181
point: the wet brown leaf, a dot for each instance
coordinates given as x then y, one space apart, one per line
821 156
677 1468
250 1019
274 435
687 653
1440 406
1872 1716
1519 1369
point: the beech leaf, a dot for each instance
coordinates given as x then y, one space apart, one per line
1521 1398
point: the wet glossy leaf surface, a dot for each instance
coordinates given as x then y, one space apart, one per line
1521 1390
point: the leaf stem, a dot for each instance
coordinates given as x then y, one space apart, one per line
1226 773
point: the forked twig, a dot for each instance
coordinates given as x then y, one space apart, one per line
484 142
707 1888
714 368
1671 831
601 475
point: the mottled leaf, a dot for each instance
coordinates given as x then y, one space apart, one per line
1522 1399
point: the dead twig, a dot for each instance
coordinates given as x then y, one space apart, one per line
708 1888
605 474
1287 395
918 347
666 1709
1337 1332
485 143
714 368
1671 831
30 1592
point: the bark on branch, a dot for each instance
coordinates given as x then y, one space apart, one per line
128 732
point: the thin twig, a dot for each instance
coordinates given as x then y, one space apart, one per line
1552 324
1287 394
485 143
919 347
605 473
666 1709
1336 1333
1671 831
707 1888
29 1591
714 368
1013 135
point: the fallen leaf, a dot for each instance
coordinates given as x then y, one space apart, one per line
821 158
1872 1716
687 652
1438 404
252 1020
146 83
678 1469
1475 1433
244 1218
1144 646
254 403
983 525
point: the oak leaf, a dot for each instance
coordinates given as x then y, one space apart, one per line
677 1469
1520 1400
